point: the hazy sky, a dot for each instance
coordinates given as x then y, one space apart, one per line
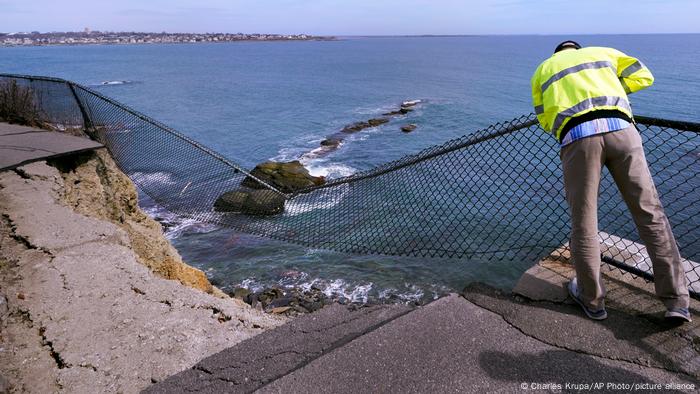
355 17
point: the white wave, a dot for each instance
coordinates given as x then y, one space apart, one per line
152 178
342 289
339 288
336 288
288 154
317 152
411 102
411 293
189 226
328 170
322 199
291 278
373 110
117 82
252 284
298 148
174 226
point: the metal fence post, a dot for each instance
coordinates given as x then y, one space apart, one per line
87 122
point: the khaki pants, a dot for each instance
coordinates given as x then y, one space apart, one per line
622 152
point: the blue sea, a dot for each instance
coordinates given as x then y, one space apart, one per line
254 101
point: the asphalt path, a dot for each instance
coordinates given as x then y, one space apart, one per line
20 145
481 341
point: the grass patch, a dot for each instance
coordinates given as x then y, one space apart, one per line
18 105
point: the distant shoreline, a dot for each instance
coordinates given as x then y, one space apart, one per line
133 38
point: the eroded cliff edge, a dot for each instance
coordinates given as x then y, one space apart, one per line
89 298
95 187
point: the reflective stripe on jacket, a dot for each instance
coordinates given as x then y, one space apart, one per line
574 82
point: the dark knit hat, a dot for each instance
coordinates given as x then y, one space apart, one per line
567 44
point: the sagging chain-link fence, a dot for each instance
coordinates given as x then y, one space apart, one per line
494 195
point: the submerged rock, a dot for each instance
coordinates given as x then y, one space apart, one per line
287 177
263 202
331 142
358 126
408 128
355 127
377 121
256 202
231 201
400 111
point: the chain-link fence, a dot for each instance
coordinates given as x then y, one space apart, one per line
492 195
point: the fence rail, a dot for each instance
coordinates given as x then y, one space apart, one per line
493 195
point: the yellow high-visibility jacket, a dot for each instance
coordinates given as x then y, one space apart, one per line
572 83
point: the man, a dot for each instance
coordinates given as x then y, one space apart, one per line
580 96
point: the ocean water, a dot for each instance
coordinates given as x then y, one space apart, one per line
254 101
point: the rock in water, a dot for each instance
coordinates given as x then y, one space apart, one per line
263 202
256 202
406 107
231 201
355 127
331 142
287 177
408 128
377 121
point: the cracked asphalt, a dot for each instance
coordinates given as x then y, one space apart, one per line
281 351
79 313
21 145
481 341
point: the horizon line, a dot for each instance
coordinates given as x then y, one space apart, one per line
359 35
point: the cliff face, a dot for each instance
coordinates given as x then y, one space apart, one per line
95 187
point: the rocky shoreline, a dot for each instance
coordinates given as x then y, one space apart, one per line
291 302
299 301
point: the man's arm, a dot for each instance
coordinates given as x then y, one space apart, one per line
537 98
633 74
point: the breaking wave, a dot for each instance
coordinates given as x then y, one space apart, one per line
341 289
113 83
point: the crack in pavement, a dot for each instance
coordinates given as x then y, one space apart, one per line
10 224
60 363
575 350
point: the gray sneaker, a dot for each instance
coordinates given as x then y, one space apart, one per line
600 314
681 315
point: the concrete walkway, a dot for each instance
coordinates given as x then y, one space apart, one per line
20 145
479 341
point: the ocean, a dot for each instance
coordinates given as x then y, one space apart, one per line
255 101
